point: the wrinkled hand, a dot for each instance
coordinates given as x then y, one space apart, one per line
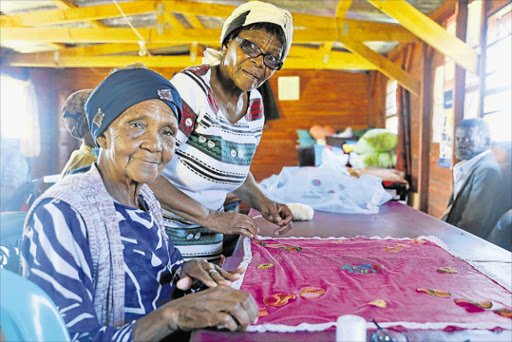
209 274
220 307
232 223
279 214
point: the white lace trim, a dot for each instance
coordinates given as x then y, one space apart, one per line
323 326
408 325
245 262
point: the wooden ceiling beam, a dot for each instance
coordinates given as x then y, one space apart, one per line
348 61
359 30
384 65
204 36
224 11
173 21
342 8
65 4
60 16
193 20
200 8
110 35
43 60
430 32
99 50
343 61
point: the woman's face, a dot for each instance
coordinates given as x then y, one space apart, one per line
246 72
140 142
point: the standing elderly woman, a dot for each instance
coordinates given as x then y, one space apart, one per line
218 134
95 241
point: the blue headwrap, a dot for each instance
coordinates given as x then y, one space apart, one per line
123 89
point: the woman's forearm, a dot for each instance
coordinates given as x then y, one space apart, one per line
173 199
153 327
250 193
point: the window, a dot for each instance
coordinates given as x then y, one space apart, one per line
19 117
473 93
13 108
497 96
391 107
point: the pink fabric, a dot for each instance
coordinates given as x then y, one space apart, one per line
316 280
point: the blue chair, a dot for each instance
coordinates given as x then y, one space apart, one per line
11 232
27 313
501 234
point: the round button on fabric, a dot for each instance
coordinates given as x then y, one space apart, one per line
202 139
211 144
240 154
233 153
190 236
197 236
188 122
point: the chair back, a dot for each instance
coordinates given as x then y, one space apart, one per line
11 232
501 234
27 313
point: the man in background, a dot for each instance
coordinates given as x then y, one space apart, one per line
73 114
475 203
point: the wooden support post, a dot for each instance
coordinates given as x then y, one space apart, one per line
460 73
426 100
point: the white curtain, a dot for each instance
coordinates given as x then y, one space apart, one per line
31 139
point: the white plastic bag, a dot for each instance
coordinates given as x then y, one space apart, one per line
327 188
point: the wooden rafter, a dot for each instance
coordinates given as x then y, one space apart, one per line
205 36
339 61
325 51
383 64
65 4
170 18
43 60
110 35
360 30
342 8
298 58
99 50
62 16
430 32
193 20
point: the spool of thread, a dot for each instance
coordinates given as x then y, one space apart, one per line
350 328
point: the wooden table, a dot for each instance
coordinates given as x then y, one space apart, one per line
395 220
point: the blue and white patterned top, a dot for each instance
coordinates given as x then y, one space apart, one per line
56 252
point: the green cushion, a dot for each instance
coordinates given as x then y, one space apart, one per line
376 140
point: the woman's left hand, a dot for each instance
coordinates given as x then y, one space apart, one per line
279 214
209 274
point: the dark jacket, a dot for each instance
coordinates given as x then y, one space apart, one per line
478 205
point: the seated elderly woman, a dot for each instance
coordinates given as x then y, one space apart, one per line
95 241
73 115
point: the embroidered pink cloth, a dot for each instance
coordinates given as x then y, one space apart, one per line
415 284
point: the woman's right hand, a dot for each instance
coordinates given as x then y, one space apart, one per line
232 223
220 307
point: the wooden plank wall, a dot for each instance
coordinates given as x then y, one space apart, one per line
439 179
335 98
339 99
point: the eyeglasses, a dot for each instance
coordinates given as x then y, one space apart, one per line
252 50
